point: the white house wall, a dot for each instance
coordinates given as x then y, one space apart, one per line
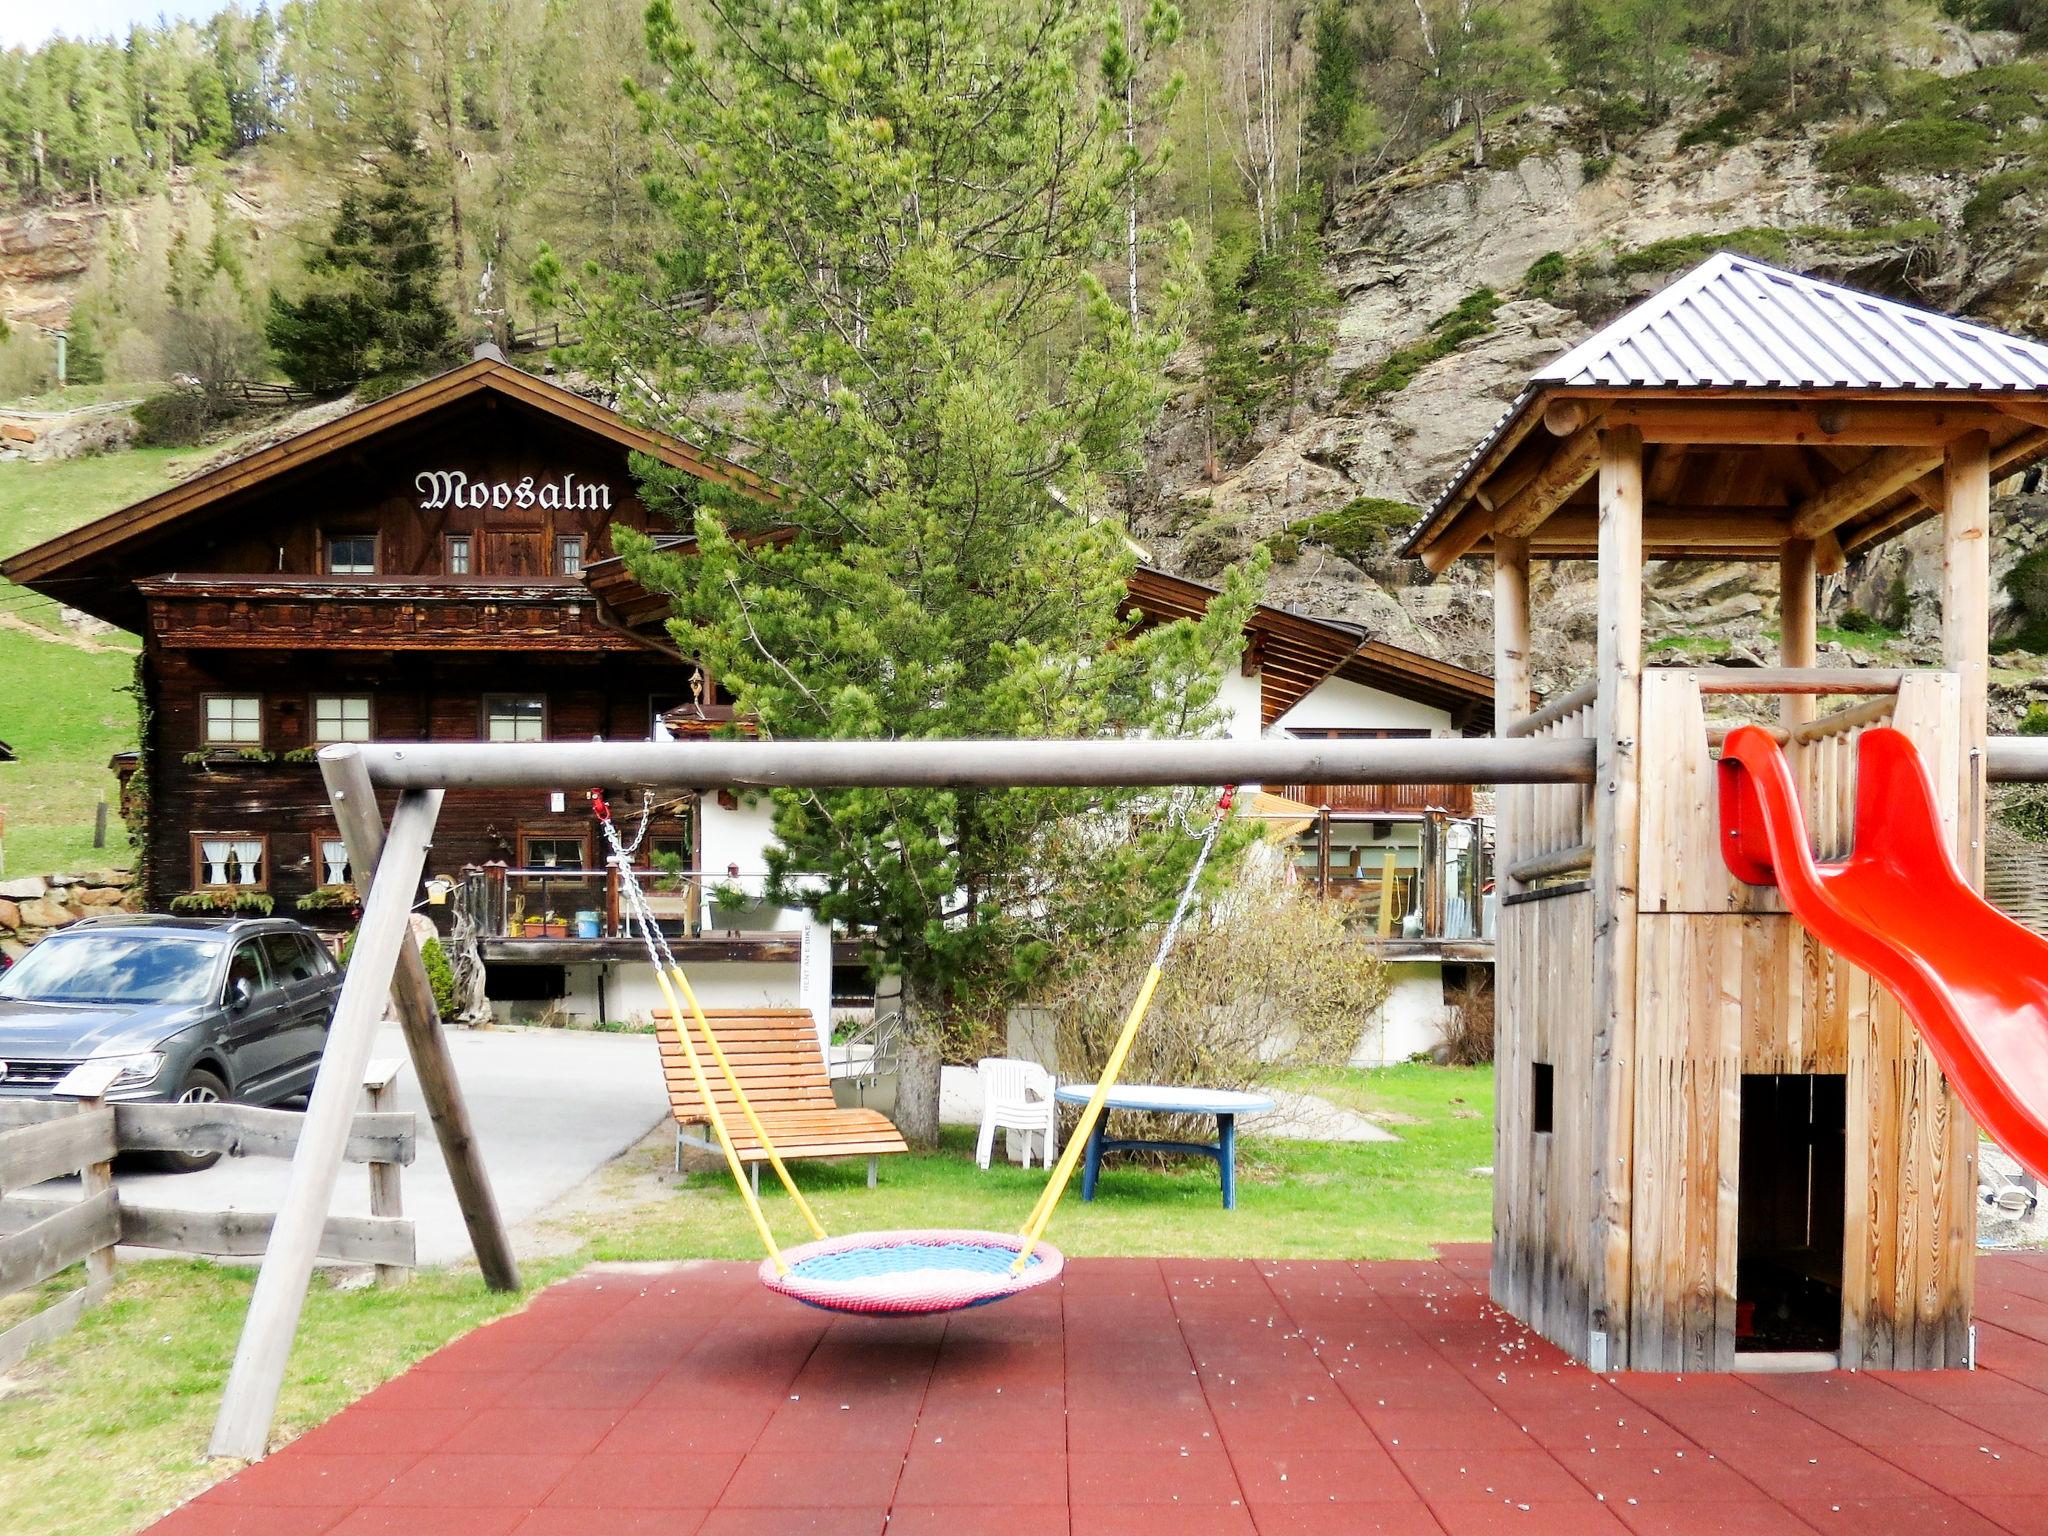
1338 703
1411 1020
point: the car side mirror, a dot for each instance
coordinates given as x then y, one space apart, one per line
240 994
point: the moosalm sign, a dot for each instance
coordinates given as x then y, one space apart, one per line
441 488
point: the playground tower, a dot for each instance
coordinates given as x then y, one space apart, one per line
1719 1144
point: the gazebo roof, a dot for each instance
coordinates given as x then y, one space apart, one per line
1773 406
1735 322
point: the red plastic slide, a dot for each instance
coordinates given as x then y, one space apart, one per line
1973 980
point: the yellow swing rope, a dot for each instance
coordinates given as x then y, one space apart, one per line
1056 1186
666 966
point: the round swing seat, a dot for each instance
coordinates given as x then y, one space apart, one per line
910 1273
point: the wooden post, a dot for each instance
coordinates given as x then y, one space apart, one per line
250 1401
362 829
1966 624
99 821
380 1092
88 1088
1512 696
1387 860
1323 852
1797 645
1617 715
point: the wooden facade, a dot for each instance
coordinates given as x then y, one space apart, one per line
1719 1144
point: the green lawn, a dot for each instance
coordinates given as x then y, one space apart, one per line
107 1427
63 706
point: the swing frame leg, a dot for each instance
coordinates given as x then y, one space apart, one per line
872 1161
754 1173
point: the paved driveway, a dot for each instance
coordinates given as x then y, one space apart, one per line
550 1107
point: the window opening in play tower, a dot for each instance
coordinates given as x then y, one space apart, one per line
1542 1097
1791 1199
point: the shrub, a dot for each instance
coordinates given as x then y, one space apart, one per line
1469 320
440 974
173 418
1724 127
1932 143
1359 530
2035 721
2027 585
1856 622
1266 978
1544 274
1468 1022
1682 251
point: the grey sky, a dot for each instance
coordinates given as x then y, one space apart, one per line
25 23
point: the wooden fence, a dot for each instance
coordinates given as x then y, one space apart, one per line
41 1236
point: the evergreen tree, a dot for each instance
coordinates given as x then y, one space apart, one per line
373 303
898 213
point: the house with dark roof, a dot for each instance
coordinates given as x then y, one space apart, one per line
437 566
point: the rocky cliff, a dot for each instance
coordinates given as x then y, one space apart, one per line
1512 264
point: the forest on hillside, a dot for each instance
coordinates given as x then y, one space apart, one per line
423 154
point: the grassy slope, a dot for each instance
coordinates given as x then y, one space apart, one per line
62 708
107 1427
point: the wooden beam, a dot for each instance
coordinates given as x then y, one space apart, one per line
243 1130
362 830
1750 423
1511 698
1797 642
1561 418
55 1148
250 1402
1617 717
1882 475
1472 524
1966 625
1570 466
1926 492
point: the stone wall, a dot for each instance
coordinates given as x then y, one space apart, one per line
33 905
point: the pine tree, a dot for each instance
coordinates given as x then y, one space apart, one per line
373 304
898 212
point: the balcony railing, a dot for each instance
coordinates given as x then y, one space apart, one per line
1381 799
1439 889
559 902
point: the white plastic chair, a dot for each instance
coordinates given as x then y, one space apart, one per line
1017 1096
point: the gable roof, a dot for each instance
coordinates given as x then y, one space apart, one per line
1295 653
1734 321
1735 330
106 539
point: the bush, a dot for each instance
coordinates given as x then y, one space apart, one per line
1544 274
1724 127
440 974
175 418
2027 585
1932 143
1361 529
1265 979
1857 622
1471 319
1468 1022
2035 721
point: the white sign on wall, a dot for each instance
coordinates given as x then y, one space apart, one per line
441 488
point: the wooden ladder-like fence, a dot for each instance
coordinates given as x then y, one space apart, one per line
41 1236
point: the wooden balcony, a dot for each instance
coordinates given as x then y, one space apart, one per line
1381 799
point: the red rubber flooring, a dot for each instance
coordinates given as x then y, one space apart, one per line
1182 1397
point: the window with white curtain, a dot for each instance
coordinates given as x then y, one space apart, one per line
230 861
333 861
341 717
234 720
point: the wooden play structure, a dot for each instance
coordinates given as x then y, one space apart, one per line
1720 1144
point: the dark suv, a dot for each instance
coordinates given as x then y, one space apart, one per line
199 1009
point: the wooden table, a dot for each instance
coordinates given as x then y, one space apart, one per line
1225 1104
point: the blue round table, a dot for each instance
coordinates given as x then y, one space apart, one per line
1225 1104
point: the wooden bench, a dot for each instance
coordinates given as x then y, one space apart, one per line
774 1053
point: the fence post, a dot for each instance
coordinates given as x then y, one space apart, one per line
380 1092
87 1084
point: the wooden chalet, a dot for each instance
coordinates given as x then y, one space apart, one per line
1719 1144
438 566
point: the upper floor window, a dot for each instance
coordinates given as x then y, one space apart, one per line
515 717
352 554
234 720
341 717
569 555
459 560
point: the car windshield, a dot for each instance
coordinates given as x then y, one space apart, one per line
113 968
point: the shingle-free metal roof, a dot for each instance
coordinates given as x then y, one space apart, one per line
1735 321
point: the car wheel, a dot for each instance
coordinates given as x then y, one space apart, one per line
198 1086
